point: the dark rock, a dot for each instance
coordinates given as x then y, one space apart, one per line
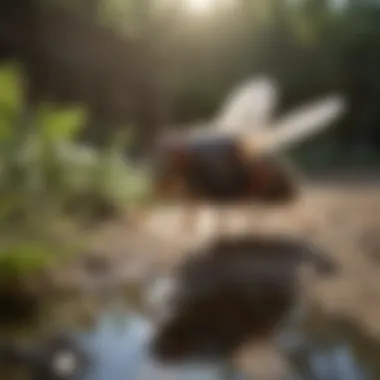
234 291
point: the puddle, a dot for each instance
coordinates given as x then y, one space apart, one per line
325 349
116 338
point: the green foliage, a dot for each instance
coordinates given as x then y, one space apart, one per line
10 101
43 170
57 125
11 88
45 161
24 259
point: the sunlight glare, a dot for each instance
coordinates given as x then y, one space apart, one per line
196 7
204 6
200 6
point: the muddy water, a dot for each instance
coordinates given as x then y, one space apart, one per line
115 336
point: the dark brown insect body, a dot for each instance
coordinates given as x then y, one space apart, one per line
217 170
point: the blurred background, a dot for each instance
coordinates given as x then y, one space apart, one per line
86 86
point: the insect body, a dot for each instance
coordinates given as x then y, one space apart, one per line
218 170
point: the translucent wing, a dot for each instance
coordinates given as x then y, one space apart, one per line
249 106
298 125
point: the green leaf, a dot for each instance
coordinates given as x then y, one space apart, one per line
11 95
24 258
11 98
57 124
7 119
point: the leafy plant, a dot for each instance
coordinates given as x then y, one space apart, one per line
46 175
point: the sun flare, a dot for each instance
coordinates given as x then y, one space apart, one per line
197 7
200 6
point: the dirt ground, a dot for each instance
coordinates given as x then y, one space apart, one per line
341 215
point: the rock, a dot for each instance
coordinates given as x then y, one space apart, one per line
230 292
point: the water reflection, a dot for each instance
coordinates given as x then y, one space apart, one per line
335 350
119 347
120 350
320 358
336 362
118 344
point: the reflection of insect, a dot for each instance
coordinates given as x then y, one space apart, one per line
235 291
235 158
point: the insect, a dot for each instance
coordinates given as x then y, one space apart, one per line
235 159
